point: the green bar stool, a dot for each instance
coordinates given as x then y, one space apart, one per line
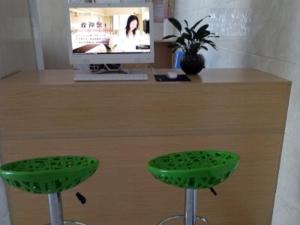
193 170
50 175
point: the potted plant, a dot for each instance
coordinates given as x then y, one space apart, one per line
191 40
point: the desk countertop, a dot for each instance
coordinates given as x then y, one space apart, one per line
207 76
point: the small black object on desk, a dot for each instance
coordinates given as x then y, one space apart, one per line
165 78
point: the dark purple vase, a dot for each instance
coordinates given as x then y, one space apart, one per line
192 64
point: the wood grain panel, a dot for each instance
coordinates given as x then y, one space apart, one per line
144 108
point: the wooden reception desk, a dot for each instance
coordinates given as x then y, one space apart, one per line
124 124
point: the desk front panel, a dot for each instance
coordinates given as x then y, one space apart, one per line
118 110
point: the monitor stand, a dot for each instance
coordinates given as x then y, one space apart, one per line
107 68
110 72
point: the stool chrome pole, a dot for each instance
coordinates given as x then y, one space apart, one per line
190 215
55 209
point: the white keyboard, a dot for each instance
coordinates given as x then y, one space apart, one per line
110 77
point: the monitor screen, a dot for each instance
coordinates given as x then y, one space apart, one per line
108 33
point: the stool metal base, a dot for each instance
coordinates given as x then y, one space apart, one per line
56 211
190 215
71 222
198 218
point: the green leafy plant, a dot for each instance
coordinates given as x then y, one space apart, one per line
191 39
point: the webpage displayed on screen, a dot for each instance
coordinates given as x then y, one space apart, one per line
110 30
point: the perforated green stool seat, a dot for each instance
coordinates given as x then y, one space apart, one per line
193 170
50 175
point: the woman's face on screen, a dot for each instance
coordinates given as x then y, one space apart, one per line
133 25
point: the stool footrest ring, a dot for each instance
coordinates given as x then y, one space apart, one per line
73 222
201 218
70 222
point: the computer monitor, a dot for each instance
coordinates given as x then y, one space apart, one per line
110 33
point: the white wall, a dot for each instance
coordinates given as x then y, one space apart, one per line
230 19
16 49
262 34
4 213
276 48
54 33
